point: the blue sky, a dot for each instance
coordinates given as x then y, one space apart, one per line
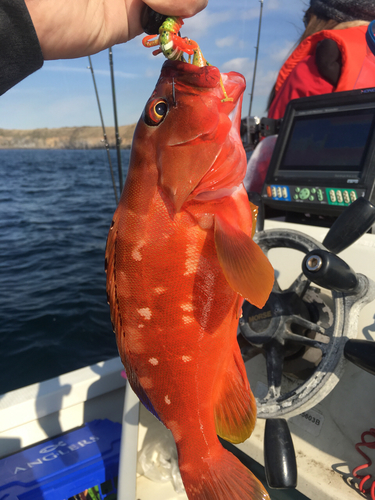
62 94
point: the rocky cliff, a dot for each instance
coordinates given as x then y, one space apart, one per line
64 138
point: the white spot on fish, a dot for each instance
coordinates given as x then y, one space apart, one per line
153 361
187 468
146 382
187 320
141 326
167 400
187 307
136 339
186 359
192 261
174 427
206 221
160 289
145 312
136 254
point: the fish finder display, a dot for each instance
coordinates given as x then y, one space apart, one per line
324 157
336 144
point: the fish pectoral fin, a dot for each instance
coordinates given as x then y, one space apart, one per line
235 407
245 267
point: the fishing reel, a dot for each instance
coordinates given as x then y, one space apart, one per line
306 332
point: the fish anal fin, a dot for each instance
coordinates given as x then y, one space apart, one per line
235 407
245 267
222 477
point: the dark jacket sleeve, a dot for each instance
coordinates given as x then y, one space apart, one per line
328 60
20 53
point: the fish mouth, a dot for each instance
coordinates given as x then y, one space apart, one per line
203 133
193 76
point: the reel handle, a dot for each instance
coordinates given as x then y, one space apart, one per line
355 221
279 456
329 271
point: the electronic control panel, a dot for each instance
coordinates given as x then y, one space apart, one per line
307 195
324 157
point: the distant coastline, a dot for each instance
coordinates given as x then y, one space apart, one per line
64 138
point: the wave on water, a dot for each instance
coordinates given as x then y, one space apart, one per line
56 207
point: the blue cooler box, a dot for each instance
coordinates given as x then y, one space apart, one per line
65 466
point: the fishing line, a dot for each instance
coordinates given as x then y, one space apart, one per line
118 140
104 131
256 56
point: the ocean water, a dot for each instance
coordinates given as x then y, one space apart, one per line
56 207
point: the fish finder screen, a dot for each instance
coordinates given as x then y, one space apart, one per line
330 144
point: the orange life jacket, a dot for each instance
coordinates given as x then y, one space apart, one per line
352 45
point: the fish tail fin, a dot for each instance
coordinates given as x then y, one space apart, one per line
223 477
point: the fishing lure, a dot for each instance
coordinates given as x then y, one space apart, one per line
173 46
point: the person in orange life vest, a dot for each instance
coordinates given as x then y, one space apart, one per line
329 55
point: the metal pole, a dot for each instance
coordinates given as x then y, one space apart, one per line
127 476
118 140
104 131
256 56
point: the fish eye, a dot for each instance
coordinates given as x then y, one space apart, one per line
155 112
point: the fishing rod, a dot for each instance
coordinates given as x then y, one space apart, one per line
104 131
118 140
256 56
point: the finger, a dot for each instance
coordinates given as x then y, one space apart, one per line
183 8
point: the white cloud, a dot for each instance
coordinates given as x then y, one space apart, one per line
97 72
227 41
252 13
264 82
152 73
68 106
274 4
279 54
198 25
285 6
242 65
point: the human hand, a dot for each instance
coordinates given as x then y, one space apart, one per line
75 28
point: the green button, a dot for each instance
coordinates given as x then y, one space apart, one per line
313 191
296 196
297 190
311 198
304 194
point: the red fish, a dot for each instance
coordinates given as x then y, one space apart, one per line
179 259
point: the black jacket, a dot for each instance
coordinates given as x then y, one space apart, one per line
20 53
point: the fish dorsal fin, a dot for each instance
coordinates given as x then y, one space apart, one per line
245 267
